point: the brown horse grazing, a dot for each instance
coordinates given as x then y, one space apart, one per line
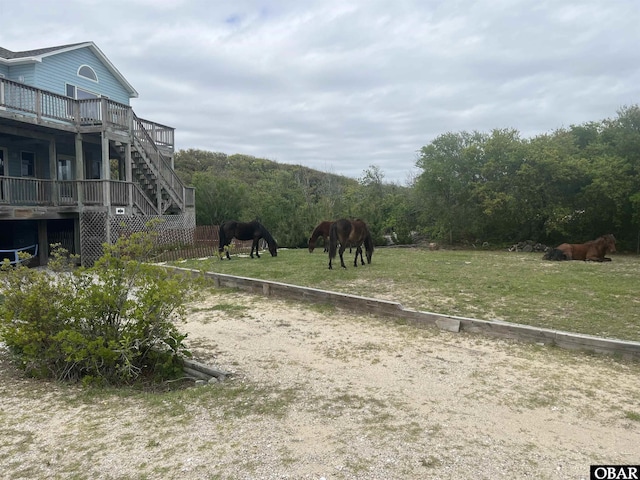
349 232
245 231
322 230
593 251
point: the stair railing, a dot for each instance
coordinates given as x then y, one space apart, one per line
159 163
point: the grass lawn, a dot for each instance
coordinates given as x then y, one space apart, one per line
594 298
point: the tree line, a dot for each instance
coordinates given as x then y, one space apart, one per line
573 184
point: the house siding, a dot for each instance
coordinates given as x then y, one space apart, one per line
13 164
22 73
56 71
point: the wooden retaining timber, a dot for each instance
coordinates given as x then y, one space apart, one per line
385 308
200 371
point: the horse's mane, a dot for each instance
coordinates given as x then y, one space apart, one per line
608 238
603 242
316 232
267 236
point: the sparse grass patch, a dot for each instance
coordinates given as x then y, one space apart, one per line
323 308
629 415
241 400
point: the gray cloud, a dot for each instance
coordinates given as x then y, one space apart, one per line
340 86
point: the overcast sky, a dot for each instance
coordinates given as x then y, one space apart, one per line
340 85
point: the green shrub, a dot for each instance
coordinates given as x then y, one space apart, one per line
112 323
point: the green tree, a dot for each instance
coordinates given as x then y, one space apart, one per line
369 203
622 136
189 162
278 201
446 186
497 191
218 199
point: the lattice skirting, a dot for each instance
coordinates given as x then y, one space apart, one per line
95 227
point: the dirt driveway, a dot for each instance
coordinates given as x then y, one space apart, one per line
375 399
321 394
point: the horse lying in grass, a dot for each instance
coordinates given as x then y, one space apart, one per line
593 251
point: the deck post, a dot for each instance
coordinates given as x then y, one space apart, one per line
79 167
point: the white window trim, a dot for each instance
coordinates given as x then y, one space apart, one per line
87 78
76 88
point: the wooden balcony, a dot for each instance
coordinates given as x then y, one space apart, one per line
28 104
153 142
32 192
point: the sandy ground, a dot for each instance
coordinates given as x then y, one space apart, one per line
323 394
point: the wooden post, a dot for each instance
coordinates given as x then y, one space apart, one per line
128 173
53 172
43 244
79 169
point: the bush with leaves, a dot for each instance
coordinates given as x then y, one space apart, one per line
113 323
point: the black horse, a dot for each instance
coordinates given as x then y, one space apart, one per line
349 232
245 231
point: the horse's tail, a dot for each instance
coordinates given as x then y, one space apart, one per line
554 254
333 240
368 245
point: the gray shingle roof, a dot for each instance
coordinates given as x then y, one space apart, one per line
8 54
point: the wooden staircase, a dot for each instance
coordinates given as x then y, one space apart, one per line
153 172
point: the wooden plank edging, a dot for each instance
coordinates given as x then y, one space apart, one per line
501 329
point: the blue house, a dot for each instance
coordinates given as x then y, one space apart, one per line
77 166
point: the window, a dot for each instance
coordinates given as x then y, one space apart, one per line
79 94
28 164
87 111
87 72
93 165
65 174
65 171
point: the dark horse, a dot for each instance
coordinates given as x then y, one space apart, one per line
245 231
593 251
350 232
322 230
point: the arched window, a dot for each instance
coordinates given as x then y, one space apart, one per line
87 72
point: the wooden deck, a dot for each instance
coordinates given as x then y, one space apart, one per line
22 105
31 105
